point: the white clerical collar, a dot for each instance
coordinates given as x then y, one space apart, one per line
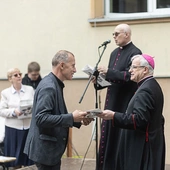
125 45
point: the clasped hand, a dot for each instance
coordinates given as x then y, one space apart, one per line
80 116
106 115
102 70
17 112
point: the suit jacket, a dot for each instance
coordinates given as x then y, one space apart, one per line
142 144
47 137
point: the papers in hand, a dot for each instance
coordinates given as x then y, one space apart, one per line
93 113
26 109
100 79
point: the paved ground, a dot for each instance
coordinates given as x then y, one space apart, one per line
167 167
75 164
72 164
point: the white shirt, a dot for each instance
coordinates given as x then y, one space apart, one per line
10 100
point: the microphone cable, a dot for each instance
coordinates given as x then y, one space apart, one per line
74 149
88 148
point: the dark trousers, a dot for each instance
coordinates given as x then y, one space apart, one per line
47 167
2 149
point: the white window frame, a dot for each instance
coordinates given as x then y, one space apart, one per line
152 12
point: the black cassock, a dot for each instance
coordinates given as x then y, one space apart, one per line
117 98
142 144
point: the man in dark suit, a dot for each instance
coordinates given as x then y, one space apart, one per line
48 134
142 143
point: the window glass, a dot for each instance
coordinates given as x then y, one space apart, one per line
128 6
163 3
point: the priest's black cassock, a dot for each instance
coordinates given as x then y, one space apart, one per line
142 144
117 98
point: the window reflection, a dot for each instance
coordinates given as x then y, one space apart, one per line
163 4
135 6
128 6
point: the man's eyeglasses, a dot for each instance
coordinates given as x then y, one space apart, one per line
135 67
117 33
17 74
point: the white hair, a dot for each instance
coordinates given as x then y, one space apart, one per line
143 62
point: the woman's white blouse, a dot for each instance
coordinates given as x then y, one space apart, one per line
10 100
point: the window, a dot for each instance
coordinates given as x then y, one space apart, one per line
114 12
136 8
128 6
162 3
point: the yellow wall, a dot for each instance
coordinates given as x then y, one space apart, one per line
35 30
81 137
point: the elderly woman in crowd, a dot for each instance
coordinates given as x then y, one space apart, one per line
16 125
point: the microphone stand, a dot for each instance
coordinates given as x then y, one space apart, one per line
95 73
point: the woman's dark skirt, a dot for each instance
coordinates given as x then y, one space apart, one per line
14 143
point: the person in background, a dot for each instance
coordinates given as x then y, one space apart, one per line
33 77
142 144
48 134
16 129
118 94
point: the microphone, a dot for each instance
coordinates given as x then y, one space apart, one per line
105 43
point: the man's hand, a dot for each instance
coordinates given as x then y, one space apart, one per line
79 115
87 121
102 70
93 80
106 115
